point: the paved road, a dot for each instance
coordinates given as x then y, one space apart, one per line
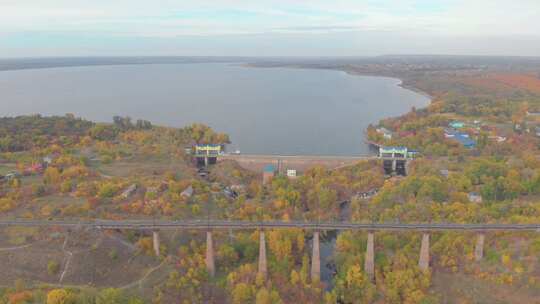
301 157
214 224
298 162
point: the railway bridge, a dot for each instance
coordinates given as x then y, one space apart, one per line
155 226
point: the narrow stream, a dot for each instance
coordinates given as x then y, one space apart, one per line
328 247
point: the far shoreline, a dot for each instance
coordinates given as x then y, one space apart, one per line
142 60
352 73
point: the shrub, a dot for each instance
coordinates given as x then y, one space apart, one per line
6 204
66 186
111 296
53 267
106 159
113 254
20 297
107 190
38 190
52 176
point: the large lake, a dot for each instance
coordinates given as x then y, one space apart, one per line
264 110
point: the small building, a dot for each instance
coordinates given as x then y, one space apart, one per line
445 173
47 160
188 192
366 195
152 189
466 141
456 124
34 169
9 177
129 191
12 175
387 134
449 133
230 193
453 133
203 173
291 173
268 173
497 138
462 137
238 187
412 153
403 134
474 197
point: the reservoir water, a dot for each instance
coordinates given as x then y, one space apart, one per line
264 110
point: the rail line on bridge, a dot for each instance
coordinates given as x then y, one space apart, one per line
369 264
239 225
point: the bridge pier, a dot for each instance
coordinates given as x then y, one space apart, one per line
210 265
263 269
316 259
479 248
407 164
155 239
369 263
423 262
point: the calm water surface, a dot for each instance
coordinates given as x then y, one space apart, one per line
270 111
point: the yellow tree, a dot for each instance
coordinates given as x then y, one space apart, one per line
267 297
52 175
58 296
242 293
404 282
355 287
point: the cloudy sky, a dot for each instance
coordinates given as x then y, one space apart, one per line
268 27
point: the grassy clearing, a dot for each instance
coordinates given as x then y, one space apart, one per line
20 235
460 288
6 168
145 167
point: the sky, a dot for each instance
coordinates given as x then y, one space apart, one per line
35 28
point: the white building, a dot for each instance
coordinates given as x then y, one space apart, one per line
387 134
474 197
129 191
291 173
